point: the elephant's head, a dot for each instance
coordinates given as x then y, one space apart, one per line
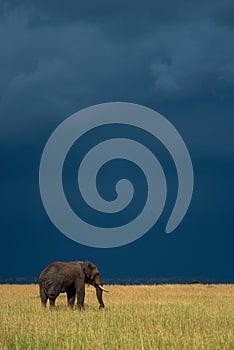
92 275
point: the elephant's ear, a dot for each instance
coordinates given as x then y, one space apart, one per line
87 268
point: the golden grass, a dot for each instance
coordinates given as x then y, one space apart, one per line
136 317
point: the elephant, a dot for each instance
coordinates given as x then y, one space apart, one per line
70 277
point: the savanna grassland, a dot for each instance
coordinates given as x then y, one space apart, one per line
135 317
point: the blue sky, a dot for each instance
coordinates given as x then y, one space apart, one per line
176 57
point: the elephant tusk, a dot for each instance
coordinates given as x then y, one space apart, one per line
105 290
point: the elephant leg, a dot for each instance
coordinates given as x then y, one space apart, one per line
44 296
71 298
52 303
99 297
80 291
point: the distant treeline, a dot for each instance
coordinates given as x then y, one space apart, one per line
123 281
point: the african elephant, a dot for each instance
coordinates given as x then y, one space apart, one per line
69 277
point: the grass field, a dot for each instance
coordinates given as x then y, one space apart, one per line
135 317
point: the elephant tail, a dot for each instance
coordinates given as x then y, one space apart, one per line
43 285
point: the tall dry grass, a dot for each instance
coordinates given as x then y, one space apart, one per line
135 317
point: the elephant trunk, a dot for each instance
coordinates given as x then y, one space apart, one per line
99 296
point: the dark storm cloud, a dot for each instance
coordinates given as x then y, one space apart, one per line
129 13
197 60
58 59
103 11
